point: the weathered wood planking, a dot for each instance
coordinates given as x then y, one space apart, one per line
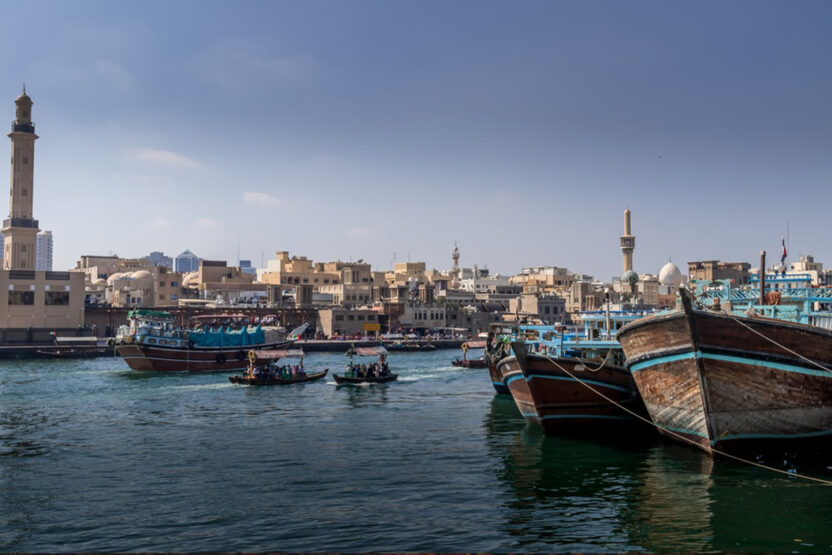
566 405
709 377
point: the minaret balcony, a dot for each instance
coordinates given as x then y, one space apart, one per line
20 222
19 127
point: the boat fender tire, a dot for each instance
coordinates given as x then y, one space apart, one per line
241 355
220 358
111 343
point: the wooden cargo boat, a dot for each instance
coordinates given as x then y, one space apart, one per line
573 395
152 342
510 374
728 382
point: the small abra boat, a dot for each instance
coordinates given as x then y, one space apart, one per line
341 380
465 362
264 370
376 372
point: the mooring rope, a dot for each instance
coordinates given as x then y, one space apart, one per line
680 436
795 353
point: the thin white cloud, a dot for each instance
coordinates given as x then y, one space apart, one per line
237 64
113 74
158 223
261 199
165 158
205 222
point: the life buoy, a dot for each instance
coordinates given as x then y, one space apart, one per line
465 346
241 355
220 358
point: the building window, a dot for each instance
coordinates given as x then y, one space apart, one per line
25 161
161 284
22 248
350 317
24 193
360 317
339 317
173 284
174 297
161 297
57 298
21 298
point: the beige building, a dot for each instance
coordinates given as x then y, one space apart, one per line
41 299
548 308
339 321
710 270
30 299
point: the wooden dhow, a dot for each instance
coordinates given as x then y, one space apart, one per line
577 395
727 382
152 342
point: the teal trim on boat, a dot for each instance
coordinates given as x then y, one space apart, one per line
519 376
683 431
567 379
595 416
661 360
728 358
774 436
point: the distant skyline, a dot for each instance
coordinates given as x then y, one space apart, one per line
346 130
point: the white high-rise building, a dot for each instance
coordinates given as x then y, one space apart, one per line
43 252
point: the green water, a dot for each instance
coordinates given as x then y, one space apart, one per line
95 457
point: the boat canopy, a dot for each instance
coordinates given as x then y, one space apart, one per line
476 344
225 337
149 314
367 351
298 331
274 354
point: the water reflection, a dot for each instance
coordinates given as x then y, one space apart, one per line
671 508
365 395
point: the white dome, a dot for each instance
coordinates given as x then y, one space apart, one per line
100 281
670 275
142 274
189 279
112 278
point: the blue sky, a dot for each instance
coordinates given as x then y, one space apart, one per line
360 129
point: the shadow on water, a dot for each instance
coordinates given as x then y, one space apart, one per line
365 395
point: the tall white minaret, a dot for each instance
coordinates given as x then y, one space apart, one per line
628 242
20 229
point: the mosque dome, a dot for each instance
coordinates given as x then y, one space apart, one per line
142 274
114 277
670 275
100 281
190 279
630 277
23 98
